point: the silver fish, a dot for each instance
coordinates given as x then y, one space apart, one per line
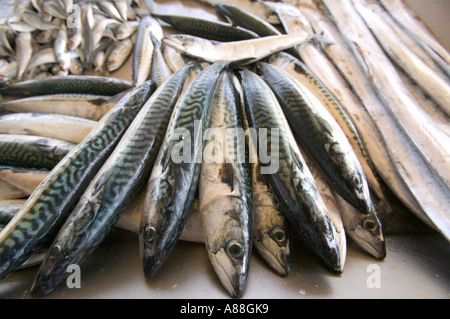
24 52
143 52
17 183
118 55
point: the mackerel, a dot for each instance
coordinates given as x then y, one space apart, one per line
225 194
81 84
174 178
124 172
49 205
160 71
29 151
247 50
47 125
209 29
91 107
118 54
315 128
143 52
292 182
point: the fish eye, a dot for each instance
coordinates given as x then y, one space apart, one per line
150 234
235 249
356 181
278 235
369 225
54 251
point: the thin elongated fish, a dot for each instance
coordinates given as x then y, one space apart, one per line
19 182
225 195
320 134
143 52
247 20
160 70
174 59
91 107
118 55
437 87
35 20
81 84
363 113
87 38
209 29
289 177
47 125
29 151
125 171
252 50
429 141
257 8
408 174
50 203
174 178
271 236
418 31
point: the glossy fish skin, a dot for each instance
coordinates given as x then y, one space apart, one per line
47 125
292 183
160 71
172 185
125 171
91 107
18 183
50 203
143 52
314 128
29 151
225 194
247 20
208 29
81 84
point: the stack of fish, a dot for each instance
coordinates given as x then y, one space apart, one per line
330 131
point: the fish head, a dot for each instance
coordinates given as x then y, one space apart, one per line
229 243
358 184
367 231
70 246
192 45
272 239
157 227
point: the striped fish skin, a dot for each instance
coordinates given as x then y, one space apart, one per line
292 184
172 185
321 136
29 151
247 20
225 192
213 30
82 84
107 195
50 203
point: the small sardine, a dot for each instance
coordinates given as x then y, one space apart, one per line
37 21
143 52
160 71
118 55
24 51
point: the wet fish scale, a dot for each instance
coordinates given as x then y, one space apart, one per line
49 204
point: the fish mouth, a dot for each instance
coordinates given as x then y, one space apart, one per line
279 258
232 276
373 244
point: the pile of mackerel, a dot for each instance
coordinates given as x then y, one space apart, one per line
243 124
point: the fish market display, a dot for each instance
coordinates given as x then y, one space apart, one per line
246 126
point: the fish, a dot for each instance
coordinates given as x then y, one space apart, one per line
415 181
126 30
49 205
247 20
87 34
315 128
174 59
258 8
91 107
125 171
47 125
225 191
288 175
9 209
8 73
35 20
159 71
29 151
24 50
118 55
271 235
250 50
174 179
209 29
55 9
143 52
435 86
110 9
82 84
18 183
